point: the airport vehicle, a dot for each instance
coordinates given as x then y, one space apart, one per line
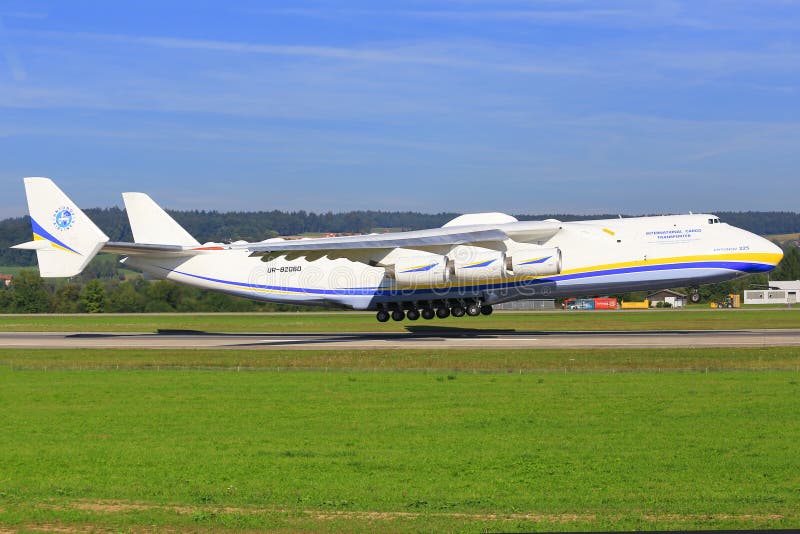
730 301
472 262
597 303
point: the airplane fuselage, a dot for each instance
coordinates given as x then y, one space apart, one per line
598 257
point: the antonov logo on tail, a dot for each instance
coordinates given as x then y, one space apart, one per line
471 263
63 218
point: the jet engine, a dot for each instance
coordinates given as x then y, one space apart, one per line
414 270
534 261
477 266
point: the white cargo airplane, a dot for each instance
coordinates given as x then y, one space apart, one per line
466 266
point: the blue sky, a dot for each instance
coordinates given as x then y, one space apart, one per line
454 105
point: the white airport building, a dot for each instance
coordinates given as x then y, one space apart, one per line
527 304
779 292
667 296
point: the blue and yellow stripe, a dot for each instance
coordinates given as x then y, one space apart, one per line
40 234
535 260
743 262
420 268
477 264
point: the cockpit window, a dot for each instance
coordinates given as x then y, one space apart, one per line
713 221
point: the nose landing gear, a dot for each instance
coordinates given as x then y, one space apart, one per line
694 296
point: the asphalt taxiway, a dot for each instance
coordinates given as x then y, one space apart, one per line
420 337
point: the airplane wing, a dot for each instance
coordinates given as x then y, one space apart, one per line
432 240
354 247
361 247
357 247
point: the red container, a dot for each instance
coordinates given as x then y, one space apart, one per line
605 304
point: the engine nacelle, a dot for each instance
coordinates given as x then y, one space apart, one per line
534 261
476 265
417 270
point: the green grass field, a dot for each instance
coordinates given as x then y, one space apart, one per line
704 319
400 440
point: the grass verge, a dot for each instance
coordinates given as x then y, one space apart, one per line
420 360
343 449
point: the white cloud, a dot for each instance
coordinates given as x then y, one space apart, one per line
712 15
9 51
457 54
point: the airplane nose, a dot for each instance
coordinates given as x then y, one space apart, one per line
774 251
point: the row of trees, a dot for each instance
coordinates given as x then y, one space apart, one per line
29 293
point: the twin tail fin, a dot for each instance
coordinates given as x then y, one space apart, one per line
65 239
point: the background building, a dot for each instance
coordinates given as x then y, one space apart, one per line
529 304
779 292
673 298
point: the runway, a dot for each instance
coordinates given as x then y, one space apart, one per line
415 338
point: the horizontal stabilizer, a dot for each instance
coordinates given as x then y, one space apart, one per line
133 249
33 245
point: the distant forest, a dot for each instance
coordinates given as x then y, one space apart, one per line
255 226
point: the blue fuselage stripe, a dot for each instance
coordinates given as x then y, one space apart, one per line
745 267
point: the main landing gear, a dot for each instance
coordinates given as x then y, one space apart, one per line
428 310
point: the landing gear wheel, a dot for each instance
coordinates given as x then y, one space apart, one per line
412 315
428 314
442 313
695 297
457 311
382 316
473 310
398 315
486 309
